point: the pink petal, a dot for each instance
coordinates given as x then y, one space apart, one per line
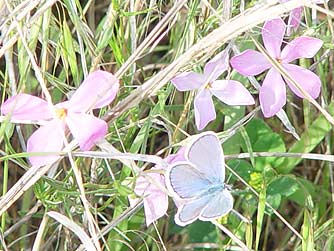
86 129
294 19
48 138
216 66
309 81
301 47
231 92
26 107
155 200
133 201
204 109
272 93
66 105
155 206
272 35
187 81
250 63
97 90
179 156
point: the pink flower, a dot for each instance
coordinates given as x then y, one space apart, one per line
97 90
155 200
296 16
228 91
272 92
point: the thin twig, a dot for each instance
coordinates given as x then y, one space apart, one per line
231 235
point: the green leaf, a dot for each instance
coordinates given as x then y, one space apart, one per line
69 52
249 236
308 141
306 189
263 139
307 232
232 116
242 168
274 201
283 185
280 187
259 217
23 57
201 231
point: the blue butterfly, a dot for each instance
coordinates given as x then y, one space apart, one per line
198 182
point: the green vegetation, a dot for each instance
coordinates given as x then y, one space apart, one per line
283 185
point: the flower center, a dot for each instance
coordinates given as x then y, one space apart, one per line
208 85
61 113
279 60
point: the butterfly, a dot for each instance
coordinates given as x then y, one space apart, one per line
197 184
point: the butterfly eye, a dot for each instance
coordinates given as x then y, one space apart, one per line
228 187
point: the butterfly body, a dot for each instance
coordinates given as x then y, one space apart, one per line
197 184
216 188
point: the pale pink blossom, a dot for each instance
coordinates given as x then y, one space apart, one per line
97 90
272 92
154 198
230 92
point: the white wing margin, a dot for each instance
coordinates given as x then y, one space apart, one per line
189 212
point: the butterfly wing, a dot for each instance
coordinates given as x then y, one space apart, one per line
190 181
184 181
219 205
190 211
206 154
